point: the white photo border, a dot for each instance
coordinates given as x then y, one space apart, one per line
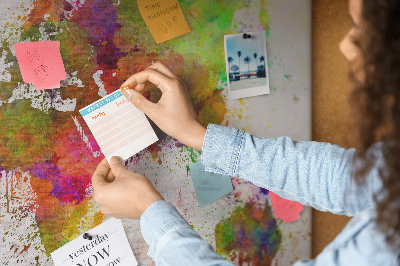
248 92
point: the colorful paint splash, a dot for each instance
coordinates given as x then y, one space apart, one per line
102 43
250 235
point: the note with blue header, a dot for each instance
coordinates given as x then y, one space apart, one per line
118 126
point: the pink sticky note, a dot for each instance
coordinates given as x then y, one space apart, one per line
287 210
41 64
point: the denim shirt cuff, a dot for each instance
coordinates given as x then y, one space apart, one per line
158 219
222 148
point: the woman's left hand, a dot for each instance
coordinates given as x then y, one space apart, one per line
126 197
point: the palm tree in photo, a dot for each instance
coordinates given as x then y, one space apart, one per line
239 55
247 60
234 68
230 60
262 59
255 58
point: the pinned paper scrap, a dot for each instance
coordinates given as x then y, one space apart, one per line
118 126
209 186
164 18
284 209
41 64
107 245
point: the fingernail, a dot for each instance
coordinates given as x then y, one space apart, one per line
127 93
115 160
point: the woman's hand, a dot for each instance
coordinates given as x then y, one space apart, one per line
127 197
174 112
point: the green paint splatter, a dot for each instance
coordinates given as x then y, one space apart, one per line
187 170
193 153
25 134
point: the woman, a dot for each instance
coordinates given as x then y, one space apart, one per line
362 182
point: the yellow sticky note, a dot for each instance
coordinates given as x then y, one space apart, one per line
164 18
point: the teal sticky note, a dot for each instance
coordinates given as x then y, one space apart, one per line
209 186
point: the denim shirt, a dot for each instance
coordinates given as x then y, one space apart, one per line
312 173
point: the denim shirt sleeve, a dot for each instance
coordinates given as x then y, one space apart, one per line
172 241
312 173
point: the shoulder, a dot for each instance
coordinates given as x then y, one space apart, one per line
362 243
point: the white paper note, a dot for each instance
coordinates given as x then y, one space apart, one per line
118 126
109 246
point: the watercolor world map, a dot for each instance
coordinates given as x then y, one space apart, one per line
48 154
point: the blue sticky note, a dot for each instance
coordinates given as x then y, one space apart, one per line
209 186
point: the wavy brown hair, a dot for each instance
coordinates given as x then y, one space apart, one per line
375 101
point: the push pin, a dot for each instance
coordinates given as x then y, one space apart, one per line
87 236
124 88
246 36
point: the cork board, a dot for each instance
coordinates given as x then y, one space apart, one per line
331 89
48 153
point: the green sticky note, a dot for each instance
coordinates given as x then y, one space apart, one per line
209 186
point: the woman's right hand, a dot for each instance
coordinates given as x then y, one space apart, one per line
174 112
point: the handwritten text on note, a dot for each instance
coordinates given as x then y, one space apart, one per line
41 64
164 18
209 186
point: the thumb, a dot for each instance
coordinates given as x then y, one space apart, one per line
138 100
117 168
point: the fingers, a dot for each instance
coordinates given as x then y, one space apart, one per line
156 75
160 67
144 86
110 177
100 174
140 102
117 167
157 78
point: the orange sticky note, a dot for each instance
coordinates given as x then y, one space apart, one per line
284 209
164 18
41 63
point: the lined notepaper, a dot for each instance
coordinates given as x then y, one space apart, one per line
118 126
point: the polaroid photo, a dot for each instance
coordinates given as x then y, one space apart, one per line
246 64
